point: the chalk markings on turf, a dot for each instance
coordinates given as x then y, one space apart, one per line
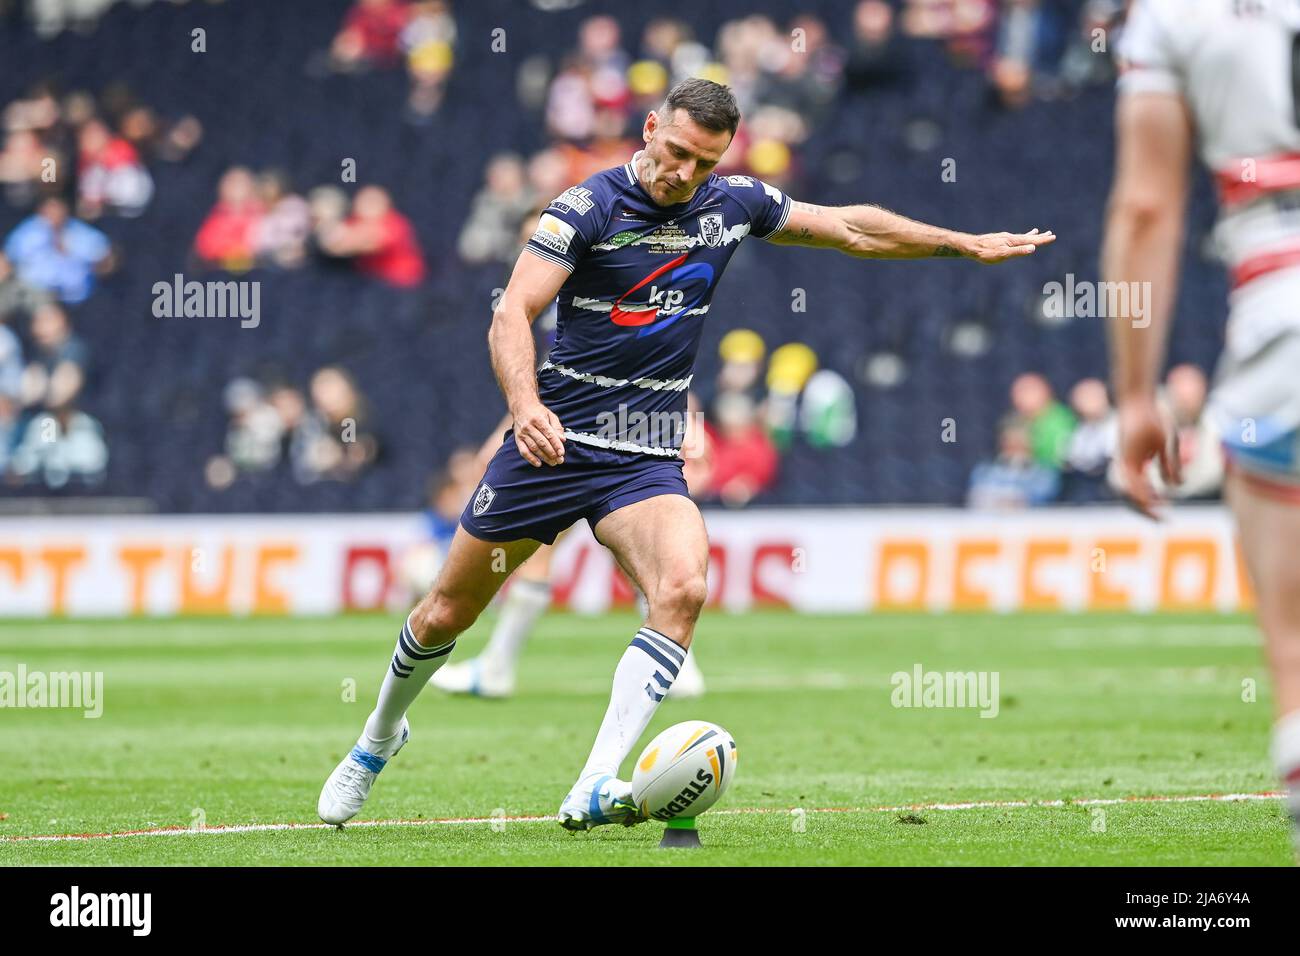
217 830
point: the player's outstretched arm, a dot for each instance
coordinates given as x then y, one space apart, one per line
1144 237
870 232
533 285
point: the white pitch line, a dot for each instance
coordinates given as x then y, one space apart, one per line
456 821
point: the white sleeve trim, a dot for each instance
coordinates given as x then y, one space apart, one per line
566 266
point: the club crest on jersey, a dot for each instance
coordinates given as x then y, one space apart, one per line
711 228
483 500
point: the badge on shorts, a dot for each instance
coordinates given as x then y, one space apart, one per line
711 228
483 500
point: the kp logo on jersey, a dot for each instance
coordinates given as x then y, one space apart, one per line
667 300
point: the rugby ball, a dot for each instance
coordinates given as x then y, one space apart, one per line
684 771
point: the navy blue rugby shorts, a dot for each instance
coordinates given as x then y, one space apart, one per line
514 500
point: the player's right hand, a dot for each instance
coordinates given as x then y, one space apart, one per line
1145 434
539 436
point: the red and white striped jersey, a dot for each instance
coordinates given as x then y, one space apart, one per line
1236 64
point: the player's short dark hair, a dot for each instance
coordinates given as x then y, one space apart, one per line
709 104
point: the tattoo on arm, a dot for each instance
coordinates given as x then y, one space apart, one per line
946 252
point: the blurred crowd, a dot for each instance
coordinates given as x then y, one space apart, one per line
66 162
323 435
786 77
419 37
1049 451
258 220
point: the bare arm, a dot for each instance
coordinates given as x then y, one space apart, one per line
532 287
871 232
1144 233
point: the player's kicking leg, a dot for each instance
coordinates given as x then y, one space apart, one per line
1268 516
472 573
662 545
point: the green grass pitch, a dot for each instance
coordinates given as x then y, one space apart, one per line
237 722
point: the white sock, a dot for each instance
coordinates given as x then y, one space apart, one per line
408 673
642 678
1286 759
525 603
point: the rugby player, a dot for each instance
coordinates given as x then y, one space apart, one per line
1225 74
634 255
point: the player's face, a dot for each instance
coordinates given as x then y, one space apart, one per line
679 155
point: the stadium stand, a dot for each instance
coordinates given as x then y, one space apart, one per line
418 354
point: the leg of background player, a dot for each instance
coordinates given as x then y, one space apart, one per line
1270 541
472 573
662 544
492 673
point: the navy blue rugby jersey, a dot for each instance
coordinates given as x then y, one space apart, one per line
632 310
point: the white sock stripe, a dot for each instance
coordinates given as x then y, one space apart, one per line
664 644
416 651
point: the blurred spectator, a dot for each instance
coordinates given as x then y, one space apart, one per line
1014 479
254 434
1086 62
16 295
744 458
333 441
110 176
280 236
1049 422
57 370
327 207
876 57
742 352
228 236
370 34
11 363
9 430
1093 443
828 415
379 240
22 163
490 234
788 371
428 39
54 252
60 446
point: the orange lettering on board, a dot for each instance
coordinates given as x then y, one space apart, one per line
965 597
60 561
1101 596
267 598
196 600
900 552
1038 550
12 559
139 561
1178 550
